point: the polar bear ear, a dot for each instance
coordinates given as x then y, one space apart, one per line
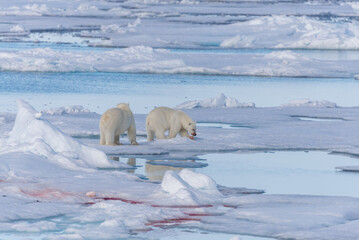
121 105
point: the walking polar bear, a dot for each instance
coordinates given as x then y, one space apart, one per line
116 121
162 119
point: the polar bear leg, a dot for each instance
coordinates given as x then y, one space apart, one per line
173 132
102 138
150 135
110 138
184 133
160 134
117 139
131 133
174 128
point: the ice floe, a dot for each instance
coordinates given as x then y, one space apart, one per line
115 204
66 110
348 168
293 32
144 59
32 134
271 128
310 103
221 101
191 188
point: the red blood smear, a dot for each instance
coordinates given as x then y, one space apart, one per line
140 202
152 205
229 206
119 199
172 221
179 206
199 214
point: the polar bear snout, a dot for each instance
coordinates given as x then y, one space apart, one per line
194 133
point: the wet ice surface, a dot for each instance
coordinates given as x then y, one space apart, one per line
219 125
318 119
183 234
310 173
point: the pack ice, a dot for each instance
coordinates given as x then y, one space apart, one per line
66 189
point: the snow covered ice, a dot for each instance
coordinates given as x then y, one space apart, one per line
257 77
46 170
217 102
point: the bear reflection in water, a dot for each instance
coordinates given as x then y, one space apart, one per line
154 172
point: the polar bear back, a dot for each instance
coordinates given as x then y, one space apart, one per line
165 117
116 119
162 116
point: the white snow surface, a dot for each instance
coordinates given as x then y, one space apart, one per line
41 138
293 32
192 188
58 182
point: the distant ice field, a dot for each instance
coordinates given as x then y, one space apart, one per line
323 54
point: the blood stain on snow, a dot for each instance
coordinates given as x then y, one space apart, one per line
171 221
182 206
200 214
141 202
120 199
229 206
98 199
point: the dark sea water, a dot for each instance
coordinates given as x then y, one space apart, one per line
100 91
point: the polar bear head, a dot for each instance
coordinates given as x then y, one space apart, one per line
124 106
190 126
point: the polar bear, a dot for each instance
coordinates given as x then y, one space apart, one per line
162 119
116 121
